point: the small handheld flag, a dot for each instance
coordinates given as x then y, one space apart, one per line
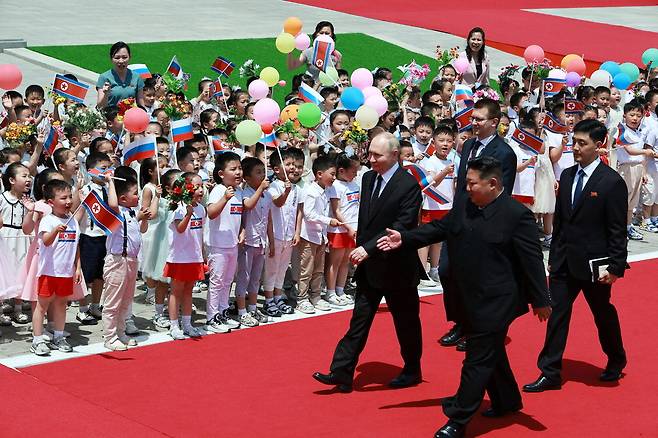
140 149
50 144
308 94
464 94
223 66
216 88
552 124
4 118
70 89
431 150
174 68
269 140
553 86
102 215
140 69
417 172
436 195
181 130
463 119
100 173
218 145
529 141
625 136
573 105
322 51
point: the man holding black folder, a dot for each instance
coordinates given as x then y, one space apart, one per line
589 231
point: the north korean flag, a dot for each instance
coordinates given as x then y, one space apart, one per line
529 141
70 89
101 213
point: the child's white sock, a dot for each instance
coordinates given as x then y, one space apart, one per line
242 311
340 291
159 309
331 292
187 321
58 334
251 308
173 324
278 298
37 339
434 270
269 300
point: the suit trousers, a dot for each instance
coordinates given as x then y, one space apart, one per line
404 306
564 290
450 292
485 368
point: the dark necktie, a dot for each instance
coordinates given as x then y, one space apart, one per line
580 176
378 186
474 151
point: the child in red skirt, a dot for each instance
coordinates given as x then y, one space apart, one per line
344 196
59 266
185 260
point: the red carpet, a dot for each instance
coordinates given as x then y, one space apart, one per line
259 381
510 28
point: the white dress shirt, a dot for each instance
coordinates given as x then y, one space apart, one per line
386 177
589 170
483 144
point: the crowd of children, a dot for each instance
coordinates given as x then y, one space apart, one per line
209 213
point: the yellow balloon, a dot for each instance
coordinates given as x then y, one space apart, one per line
285 43
329 78
270 75
367 117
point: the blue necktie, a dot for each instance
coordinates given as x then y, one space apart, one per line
579 187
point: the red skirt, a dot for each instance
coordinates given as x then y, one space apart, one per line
427 216
48 286
184 271
340 240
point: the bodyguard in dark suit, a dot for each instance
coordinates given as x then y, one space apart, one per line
390 198
485 143
498 266
590 223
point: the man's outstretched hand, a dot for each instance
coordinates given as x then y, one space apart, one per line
392 240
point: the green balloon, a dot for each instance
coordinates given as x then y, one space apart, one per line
650 56
309 115
631 70
248 132
330 78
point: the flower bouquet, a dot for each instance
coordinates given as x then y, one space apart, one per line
355 139
124 105
84 119
508 72
541 69
486 92
57 99
413 74
175 107
394 94
18 134
181 192
288 127
249 69
445 57
174 84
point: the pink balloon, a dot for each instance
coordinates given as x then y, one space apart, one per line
282 83
10 76
572 79
266 111
461 65
533 53
577 65
361 78
136 120
378 103
302 41
371 91
258 89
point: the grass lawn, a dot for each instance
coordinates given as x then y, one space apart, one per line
359 50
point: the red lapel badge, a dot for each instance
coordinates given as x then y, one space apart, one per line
593 194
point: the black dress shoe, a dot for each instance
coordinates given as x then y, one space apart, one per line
451 338
610 376
461 345
404 380
343 385
450 430
541 384
494 413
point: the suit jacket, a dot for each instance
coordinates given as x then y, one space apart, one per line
397 208
495 257
593 228
497 148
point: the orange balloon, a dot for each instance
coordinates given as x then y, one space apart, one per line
290 113
567 59
292 25
576 65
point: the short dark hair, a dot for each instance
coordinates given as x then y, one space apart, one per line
428 108
634 104
249 164
493 108
122 187
323 163
184 152
34 89
118 46
149 84
94 158
488 167
42 178
111 113
196 138
592 127
424 121
326 91
221 161
95 144
515 100
444 128
601 89
53 186
294 153
125 172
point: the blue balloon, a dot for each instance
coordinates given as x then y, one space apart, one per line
352 98
621 81
611 67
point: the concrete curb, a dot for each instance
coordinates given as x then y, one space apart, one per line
53 64
12 43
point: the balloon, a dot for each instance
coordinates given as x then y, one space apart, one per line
371 91
352 98
611 67
567 59
285 43
302 41
461 65
248 132
621 81
136 120
556 73
378 103
533 53
290 113
266 111
267 128
650 56
292 25
361 78
270 75
367 117
631 70
10 76
282 83
258 89
572 79
600 77
576 65
329 78
309 114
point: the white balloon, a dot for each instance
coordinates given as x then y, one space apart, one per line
600 78
557 73
367 117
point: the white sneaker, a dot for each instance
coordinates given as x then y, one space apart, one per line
176 333
305 307
247 320
427 283
40 349
322 305
225 319
334 300
347 299
131 328
115 345
196 289
192 332
61 345
130 342
214 326
161 321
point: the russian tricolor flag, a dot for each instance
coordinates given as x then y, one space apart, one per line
436 195
222 66
50 144
181 130
322 54
417 172
553 86
140 69
70 89
529 141
308 94
174 67
464 94
463 119
140 149
269 140
625 136
102 215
